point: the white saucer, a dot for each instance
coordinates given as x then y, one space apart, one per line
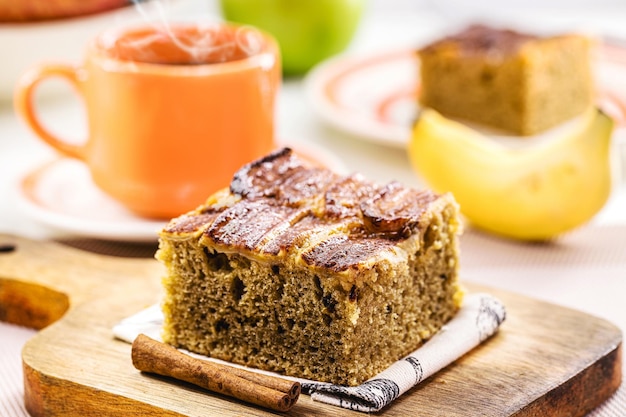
374 96
61 194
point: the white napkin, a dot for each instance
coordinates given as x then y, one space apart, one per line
479 318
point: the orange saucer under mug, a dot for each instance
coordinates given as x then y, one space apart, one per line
172 114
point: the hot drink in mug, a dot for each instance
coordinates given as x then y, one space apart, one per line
172 114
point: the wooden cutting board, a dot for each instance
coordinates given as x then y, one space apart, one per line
546 360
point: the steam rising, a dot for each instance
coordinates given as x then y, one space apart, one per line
189 43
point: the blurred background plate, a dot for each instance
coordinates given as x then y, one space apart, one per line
374 96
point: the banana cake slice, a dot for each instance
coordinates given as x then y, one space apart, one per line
518 82
299 270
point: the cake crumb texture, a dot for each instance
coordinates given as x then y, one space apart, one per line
298 270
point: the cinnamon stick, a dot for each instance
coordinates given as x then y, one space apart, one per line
149 355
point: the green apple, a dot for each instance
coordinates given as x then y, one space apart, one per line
307 31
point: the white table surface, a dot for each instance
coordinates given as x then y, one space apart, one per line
571 272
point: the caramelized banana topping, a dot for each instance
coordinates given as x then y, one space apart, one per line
281 203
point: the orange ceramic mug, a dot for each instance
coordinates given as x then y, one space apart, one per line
172 114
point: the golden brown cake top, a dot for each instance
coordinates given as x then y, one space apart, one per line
281 204
482 40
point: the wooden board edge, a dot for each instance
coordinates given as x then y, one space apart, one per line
47 396
582 393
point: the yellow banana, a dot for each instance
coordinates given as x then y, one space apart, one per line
532 192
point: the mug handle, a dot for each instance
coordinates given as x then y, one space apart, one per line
25 104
